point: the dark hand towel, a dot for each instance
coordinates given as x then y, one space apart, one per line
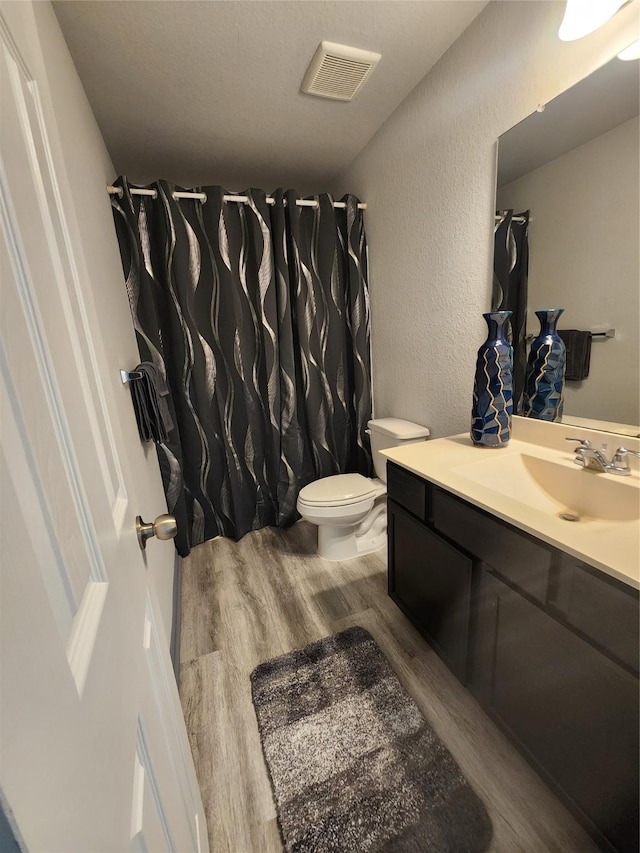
578 346
149 392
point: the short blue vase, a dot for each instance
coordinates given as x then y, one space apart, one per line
544 378
493 385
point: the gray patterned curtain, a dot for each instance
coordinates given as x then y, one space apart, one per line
257 316
510 279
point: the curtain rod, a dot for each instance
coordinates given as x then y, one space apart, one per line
521 219
241 199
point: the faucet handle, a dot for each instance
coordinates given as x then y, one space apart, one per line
620 462
583 442
621 452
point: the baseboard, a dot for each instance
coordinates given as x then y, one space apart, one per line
176 619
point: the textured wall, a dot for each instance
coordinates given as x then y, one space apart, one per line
428 176
584 250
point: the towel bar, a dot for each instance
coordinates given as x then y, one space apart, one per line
608 335
127 376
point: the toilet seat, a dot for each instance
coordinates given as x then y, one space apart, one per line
339 490
345 516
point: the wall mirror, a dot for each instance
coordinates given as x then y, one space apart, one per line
575 168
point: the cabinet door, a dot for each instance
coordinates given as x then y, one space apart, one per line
431 582
573 709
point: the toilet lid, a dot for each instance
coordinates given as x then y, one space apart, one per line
338 490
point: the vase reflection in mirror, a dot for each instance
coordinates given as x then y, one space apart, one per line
493 385
544 380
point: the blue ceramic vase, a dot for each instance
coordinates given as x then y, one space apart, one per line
544 379
493 385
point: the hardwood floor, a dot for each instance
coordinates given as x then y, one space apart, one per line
246 602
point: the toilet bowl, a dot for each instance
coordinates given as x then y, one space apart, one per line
350 510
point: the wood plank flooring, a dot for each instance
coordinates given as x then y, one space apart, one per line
246 602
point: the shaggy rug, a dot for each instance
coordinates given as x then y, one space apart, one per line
354 766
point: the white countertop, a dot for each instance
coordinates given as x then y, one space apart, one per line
611 546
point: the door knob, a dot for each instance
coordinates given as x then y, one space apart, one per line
164 527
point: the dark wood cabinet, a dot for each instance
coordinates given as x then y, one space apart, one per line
525 561
572 709
548 644
599 607
431 582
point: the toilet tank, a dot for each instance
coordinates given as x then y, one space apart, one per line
391 432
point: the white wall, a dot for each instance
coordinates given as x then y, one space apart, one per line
585 257
89 169
428 177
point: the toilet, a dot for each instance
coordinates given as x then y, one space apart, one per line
350 510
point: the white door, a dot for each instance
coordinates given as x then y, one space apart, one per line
93 747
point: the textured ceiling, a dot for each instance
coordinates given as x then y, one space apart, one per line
209 92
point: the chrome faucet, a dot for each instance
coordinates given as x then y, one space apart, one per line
588 456
596 460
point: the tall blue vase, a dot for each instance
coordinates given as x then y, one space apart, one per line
544 379
493 385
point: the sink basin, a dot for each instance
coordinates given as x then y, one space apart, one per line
557 487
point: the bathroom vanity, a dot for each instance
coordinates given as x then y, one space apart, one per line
545 638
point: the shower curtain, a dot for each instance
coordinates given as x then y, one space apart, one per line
257 317
510 276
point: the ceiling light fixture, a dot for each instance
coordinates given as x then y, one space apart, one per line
631 52
582 17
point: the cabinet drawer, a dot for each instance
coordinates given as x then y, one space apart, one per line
407 489
603 609
517 557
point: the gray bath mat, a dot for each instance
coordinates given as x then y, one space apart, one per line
353 764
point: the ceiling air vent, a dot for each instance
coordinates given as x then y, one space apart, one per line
338 71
